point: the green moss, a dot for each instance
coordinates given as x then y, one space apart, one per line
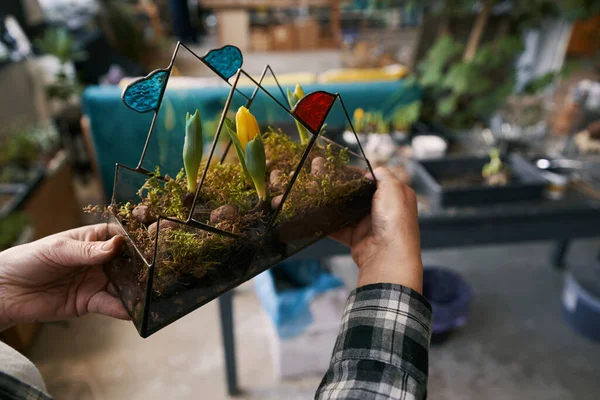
188 252
196 252
165 196
225 184
282 152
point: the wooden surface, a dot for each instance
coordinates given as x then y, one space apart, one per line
53 207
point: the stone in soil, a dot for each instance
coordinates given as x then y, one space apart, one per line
222 213
317 166
276 201
164 224
143 214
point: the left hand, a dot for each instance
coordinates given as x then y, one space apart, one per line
59 277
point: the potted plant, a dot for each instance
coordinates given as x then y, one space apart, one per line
472 180
24 150
194 236
373 130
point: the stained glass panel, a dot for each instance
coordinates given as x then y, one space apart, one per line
144 95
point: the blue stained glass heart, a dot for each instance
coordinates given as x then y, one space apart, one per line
143 95
225 61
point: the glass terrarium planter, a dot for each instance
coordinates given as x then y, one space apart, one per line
264 190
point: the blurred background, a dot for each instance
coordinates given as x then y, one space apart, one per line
489 109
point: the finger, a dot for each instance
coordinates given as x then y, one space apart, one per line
89 233
106 304
385 176
74 253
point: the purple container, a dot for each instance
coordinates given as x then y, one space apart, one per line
450 297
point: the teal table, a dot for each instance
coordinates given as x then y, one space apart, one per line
119 133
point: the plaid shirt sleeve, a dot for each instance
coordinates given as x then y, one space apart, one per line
382 349
12 388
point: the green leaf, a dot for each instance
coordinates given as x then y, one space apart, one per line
230 127
444 51
447 105
459 77
256 163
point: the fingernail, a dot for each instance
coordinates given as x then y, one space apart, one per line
109 244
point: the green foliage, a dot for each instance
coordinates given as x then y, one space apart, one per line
336 158
404 116
460 93
11 228
370 122
495 166
191 252
256 163
223 185
165 196
293 98
59 43
281 151
20 148
237 145
444 51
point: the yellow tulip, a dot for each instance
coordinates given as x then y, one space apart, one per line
246 126
298 92
359 114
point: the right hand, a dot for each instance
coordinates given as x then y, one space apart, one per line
386 244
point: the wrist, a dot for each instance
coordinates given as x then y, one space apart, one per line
404 271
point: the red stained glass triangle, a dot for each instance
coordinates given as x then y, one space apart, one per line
313 108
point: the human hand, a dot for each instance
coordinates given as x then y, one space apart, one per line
386 245
59 277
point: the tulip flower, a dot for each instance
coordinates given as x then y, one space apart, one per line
247 127
359 115
192 149
256 163
250 148
293 98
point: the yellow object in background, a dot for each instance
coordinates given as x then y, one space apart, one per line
389 73
285 80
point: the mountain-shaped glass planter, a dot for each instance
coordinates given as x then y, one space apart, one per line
258 195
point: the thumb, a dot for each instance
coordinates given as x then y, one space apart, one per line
384 176
76 253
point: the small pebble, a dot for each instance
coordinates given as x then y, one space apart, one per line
142 213
317 167
222 213
276 201
164 224
275 180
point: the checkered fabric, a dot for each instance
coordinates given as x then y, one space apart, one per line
13 389
382 348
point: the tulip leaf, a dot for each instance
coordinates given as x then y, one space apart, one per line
256 162
302 131
230 126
